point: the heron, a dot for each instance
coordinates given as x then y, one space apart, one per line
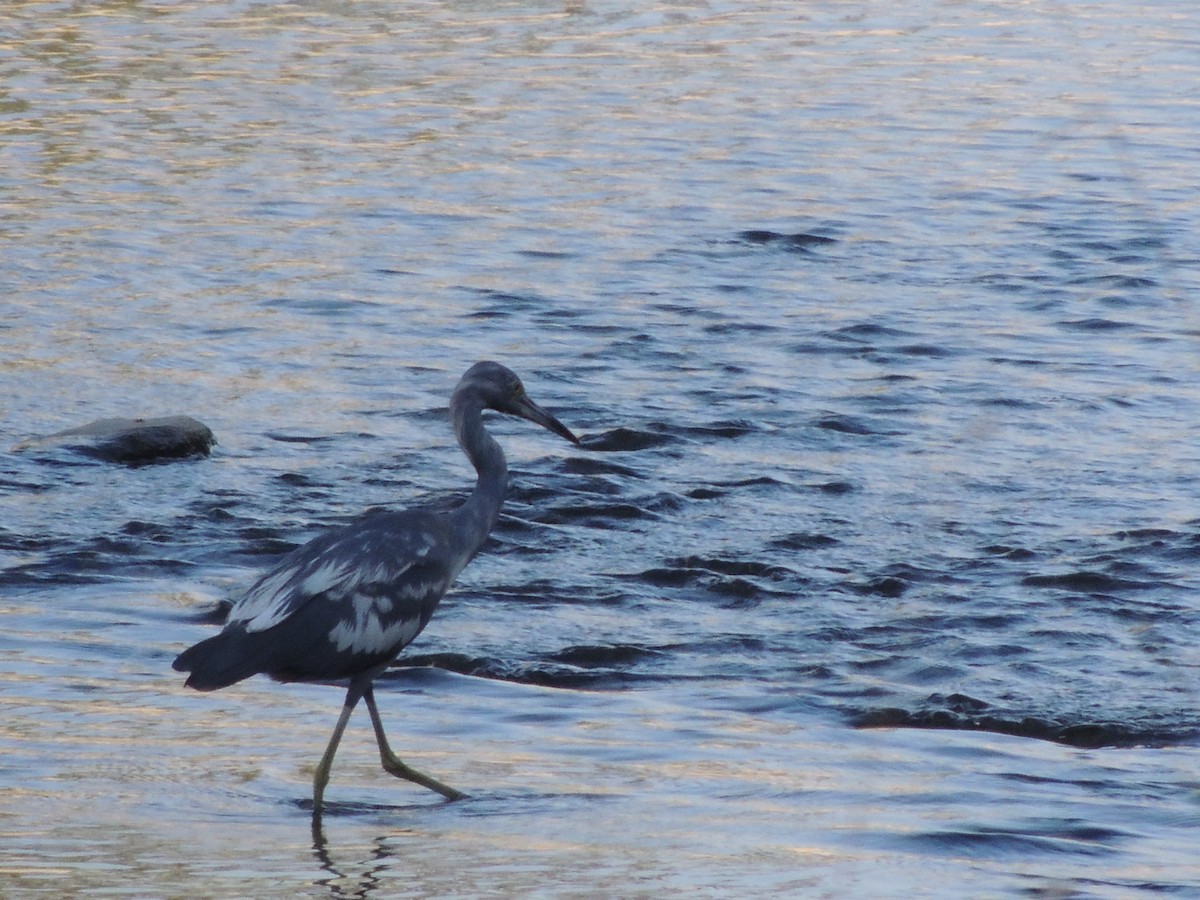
340 608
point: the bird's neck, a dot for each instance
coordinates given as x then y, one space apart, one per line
482 508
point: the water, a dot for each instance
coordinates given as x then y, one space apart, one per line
877 575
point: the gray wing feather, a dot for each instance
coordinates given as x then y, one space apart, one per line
368 558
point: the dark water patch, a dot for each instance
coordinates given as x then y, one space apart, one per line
993 843
875 342
1073 639
1007 283
803 540
753 482
843 424
80 568
26 543
867 332
547 254
282 438
795 242
882 586
216 511
461 663
582 465
544 592
1085 735
1125 565
1090 784
934 673
228 332
260 540
912 574
926 351
590 674
944 620
727 429
959 703
1021 361
662 502
603 515
1088 582
1007 552
592 656
100 563
1160 543
1129 282
685 310
433 418
566 677
834 488
726 329
828 348
297 479
980 652
1011 403
637 346
1157 535
729 646
722 566
597 486
738 593
625 440
1094 325
534 589
666 576
742 593
834 634
25 486
146 531
1146 611
525 491
504 304
516 537
326 307
733 583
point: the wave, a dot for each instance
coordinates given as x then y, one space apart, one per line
1082 734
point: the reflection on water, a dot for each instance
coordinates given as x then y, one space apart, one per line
875 572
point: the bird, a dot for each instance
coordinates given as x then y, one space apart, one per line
340 608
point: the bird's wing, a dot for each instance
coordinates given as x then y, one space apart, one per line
382 555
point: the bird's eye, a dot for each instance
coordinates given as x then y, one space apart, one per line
518 390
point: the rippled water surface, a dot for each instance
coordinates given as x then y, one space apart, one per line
876 573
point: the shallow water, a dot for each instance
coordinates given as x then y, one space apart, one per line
876 572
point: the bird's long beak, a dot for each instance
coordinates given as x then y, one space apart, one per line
527 409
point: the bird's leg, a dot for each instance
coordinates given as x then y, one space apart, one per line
393 764
321 778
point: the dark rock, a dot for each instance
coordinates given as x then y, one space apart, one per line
130 441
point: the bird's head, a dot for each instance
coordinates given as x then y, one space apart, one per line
499 388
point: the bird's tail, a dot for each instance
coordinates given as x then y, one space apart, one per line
219 661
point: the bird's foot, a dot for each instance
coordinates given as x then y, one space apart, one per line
395 766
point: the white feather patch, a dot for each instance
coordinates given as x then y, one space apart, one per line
368 634
327 577
281 593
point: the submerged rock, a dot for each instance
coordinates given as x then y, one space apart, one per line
130 441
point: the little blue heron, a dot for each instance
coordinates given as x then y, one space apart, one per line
341 607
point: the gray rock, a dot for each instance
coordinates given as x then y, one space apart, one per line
130 441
